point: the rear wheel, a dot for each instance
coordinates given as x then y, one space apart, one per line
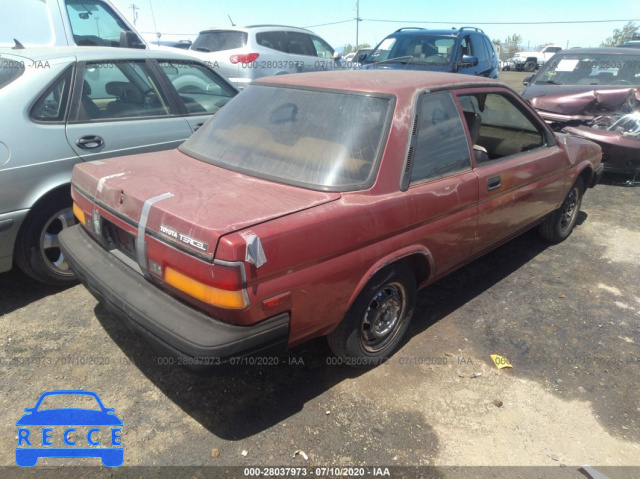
530 66
558 225
377 320
37 250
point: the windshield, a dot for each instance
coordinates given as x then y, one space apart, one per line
94 23
590 69
316 139
64 401
218 41
414 49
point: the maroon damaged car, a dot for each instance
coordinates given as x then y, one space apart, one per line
593 93
318 204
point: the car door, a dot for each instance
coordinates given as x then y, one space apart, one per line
517 164
199 90
442 187
120 108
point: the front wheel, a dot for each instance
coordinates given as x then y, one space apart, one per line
530 66
558 225
37 250
377 320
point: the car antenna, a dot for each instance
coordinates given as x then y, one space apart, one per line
18 46
232 24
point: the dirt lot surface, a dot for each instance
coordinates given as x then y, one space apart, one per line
567 317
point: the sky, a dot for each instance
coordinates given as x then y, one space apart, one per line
185 19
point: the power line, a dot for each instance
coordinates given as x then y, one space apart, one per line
409 22
494 23
332 23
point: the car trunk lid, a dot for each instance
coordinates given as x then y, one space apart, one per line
188 201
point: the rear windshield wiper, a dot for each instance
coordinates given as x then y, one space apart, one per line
201 49
546 82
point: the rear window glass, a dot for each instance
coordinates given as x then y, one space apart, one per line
218 41
315 139
10 70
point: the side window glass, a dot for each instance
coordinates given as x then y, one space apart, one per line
120 89
201 90
479 48
498 127
275 40
94 23
323 49
442 147
465 47
489 46
300 44
52 104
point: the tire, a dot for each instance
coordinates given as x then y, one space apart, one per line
37 252
374 325
530 66
558 225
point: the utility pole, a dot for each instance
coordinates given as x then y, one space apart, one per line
134 9
358 20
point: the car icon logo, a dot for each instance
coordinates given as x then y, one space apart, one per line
85 428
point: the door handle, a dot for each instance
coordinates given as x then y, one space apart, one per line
197 127
89 142
493 183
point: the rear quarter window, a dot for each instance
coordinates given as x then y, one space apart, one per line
275 40
10 70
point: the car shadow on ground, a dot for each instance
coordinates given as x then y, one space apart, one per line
18 290
236 402
455 290
621 179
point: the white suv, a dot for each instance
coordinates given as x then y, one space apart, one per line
245 54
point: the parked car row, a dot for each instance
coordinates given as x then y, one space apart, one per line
245 54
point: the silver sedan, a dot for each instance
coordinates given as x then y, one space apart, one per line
65 105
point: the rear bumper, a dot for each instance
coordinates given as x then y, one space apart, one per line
170 325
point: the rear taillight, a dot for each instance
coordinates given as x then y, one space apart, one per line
225 289
244 58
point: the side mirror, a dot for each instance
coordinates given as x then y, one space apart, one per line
129 39
361 57
527 80
336 56
468 61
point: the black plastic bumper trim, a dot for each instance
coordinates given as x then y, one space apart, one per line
174 326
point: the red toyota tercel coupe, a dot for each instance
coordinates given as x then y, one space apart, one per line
318 204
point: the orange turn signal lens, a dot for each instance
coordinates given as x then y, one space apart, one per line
78 213
207 294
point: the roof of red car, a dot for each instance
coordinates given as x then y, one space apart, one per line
381 81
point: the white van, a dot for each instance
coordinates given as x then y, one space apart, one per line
33 23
